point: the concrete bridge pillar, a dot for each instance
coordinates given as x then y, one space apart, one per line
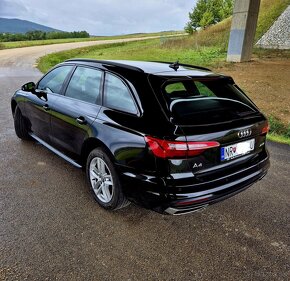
244 23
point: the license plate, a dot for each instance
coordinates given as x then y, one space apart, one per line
237 149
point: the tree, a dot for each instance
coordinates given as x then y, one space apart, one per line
207 19
42 35
207 12
35 35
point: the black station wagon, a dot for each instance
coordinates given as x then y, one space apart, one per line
169 136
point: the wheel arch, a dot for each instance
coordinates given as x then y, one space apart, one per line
89 145
13 106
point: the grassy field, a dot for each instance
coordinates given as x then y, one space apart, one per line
206 48
20 44
150 50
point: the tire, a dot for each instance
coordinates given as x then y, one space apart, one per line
20 125
104 181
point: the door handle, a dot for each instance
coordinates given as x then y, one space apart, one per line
81 120
46 107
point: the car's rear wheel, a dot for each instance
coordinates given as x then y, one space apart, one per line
20 125
104 181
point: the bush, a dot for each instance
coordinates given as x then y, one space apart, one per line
278 128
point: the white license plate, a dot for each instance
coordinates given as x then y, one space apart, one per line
237 149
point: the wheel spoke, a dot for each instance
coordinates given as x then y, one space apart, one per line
101 166
106 192
95 170
108 179
99 188
94 174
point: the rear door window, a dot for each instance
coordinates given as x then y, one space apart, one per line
117 95
85 85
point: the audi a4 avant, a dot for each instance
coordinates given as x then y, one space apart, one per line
172 137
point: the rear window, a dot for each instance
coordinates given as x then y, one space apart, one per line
205 100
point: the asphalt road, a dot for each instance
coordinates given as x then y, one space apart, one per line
51 228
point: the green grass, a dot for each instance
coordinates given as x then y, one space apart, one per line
278 138
277 127
271 53
20 44
215 35
279 132
147 50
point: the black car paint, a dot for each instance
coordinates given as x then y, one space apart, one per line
155 183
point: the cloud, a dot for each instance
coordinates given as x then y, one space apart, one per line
12 8
101 17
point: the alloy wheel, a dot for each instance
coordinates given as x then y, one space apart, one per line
101 180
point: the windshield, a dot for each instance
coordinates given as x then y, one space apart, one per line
205 100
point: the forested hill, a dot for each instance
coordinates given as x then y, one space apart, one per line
21 26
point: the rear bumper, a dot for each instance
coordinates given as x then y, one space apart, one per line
197 200
166 197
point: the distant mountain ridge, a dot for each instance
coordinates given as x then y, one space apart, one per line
22 26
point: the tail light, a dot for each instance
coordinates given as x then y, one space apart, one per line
178 149
265 129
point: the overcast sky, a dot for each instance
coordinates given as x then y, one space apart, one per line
102 17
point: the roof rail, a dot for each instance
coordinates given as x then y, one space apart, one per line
187 65
108 62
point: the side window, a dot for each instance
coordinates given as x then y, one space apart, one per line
85 84
117 95
52 82
204 90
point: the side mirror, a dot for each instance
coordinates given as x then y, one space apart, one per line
28 87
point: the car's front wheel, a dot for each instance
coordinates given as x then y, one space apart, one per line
20 125
104 181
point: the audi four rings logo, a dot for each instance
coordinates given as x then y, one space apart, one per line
244 133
